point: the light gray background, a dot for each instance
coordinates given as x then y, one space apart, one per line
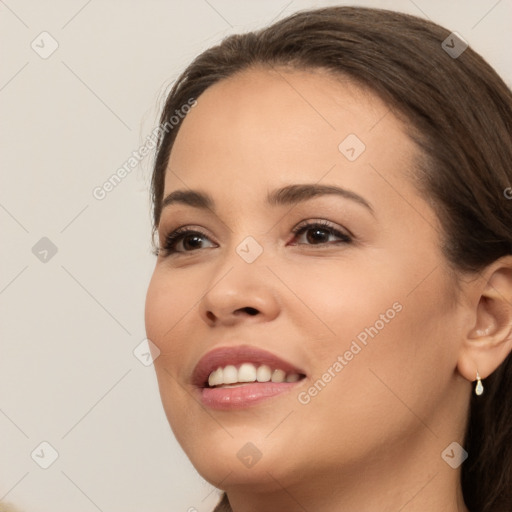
69 325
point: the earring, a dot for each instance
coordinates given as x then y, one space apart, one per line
479 388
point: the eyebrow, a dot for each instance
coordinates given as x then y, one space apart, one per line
288 195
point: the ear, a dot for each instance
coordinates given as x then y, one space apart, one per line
488 340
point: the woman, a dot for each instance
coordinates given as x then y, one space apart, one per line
332 298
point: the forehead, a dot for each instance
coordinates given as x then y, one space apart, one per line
280 125
264 103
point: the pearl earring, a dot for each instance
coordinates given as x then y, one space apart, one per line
479 388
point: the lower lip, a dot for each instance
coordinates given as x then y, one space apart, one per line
240 397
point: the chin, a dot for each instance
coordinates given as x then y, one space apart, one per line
247 462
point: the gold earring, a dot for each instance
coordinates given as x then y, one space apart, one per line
479 388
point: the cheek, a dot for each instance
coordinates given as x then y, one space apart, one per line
168 302
171 306
337 299
159 305
393 336
396 367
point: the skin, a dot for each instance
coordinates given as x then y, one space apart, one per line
372 438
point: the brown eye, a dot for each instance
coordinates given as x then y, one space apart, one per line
318 233
183 240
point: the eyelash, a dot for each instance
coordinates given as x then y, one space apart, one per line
173 238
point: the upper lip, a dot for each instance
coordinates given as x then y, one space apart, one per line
223 356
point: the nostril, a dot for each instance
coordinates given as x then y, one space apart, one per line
251 311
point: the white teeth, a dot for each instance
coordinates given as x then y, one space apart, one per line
230 374
248 372
216 378
263 373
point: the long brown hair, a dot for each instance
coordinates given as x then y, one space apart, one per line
460 114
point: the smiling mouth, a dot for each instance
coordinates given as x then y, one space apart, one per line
236 377
247 373
230 376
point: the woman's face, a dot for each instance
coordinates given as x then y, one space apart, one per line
360 307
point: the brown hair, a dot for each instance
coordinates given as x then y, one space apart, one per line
460 114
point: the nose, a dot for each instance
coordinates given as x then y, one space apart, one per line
243 293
